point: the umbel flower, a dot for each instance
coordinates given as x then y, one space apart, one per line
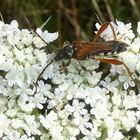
71 104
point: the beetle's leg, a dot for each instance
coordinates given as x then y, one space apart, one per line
113 32
63 68
83 67
115 62
102 28
121 37
41 73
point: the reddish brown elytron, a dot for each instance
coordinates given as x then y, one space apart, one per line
80 50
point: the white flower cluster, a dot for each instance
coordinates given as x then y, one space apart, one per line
71 104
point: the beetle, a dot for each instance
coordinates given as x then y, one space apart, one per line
81 49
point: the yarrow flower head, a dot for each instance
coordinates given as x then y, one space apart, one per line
69 103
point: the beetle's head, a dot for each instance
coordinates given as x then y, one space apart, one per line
66 52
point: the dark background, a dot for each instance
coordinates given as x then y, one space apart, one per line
74 19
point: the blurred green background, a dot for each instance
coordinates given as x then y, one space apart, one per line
74 19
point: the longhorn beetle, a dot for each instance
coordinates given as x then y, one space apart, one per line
80 50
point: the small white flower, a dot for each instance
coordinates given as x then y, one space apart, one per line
93 134
25 137
45 89
38 42
25 102
64 86
78 79
17 123
138 67
117 135
52 124
48 37
2 59
94 94
116 113
3 101
12 112
116 99
125 29
135 47
83 123
12 134
5 122
110 123
101 109
14 39
48 121
40 56
78 108
32 126
130 59
94 78
129 120
58 79
73 130
14 24
26 37
130 101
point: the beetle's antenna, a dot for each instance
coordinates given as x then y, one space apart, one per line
39 76
98 18
98 10
109 10
113 31
33 30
